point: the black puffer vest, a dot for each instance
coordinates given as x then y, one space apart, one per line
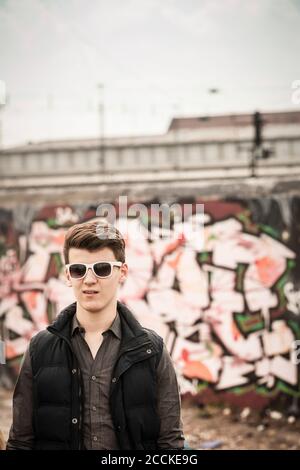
57 386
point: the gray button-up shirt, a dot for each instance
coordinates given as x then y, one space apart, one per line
98 428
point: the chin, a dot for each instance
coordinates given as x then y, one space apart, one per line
92 305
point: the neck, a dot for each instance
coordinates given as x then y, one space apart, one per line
97 321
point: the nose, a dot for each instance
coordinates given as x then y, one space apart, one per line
90 277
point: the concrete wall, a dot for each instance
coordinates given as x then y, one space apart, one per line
128 157
228 310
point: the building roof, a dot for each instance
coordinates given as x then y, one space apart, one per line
191 129
229 120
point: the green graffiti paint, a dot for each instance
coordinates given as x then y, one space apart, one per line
283 387
270 231
249 322
295 327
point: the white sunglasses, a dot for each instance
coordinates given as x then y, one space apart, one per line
101 269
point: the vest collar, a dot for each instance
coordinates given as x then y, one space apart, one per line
133 334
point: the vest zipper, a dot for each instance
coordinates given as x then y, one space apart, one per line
55 332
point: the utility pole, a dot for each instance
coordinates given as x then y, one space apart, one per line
176 135
101 127
2 104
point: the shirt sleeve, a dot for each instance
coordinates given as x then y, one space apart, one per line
169 404
21 436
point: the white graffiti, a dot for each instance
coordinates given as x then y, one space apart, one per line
187 291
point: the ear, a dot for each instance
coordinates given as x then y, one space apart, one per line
68 279
124 273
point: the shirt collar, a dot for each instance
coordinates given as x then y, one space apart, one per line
115 327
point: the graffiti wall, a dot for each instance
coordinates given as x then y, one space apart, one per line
227 307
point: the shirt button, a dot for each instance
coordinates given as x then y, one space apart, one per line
95 438
74 371
74 420
94 408
114 379
93 377
149 351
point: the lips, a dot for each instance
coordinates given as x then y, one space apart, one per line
90 292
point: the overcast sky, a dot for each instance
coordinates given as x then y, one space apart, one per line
154 58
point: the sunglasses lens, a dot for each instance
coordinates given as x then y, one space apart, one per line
77 270
102 269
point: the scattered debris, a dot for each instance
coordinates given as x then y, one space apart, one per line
291 419
245 413
260 428
275 415
227 411
211 444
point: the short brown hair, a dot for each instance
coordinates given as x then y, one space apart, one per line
93 236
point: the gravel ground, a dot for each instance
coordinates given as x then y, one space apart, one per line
224 428
215 427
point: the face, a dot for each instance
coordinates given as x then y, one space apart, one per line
93 293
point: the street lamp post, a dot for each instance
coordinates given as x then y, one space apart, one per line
2 104
257 142
259 150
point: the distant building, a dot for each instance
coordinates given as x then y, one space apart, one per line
199 148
